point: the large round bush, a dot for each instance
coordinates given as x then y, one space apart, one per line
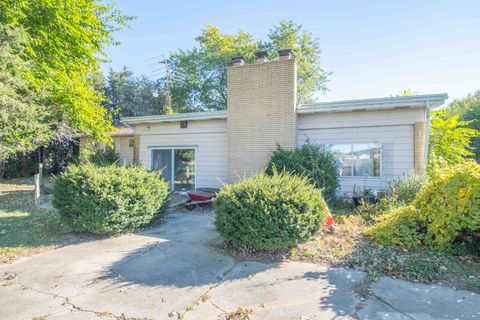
268 212
109 200
309 161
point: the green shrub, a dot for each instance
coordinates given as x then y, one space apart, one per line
341 204
104 158
402 192
309 161
370 211
398 227
404 189
269 212
109 200
449 204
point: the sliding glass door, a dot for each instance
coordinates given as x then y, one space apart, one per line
162 160
177 166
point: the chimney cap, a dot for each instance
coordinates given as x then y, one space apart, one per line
238 60
285 53
261 54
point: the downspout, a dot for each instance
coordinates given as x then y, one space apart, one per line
427 134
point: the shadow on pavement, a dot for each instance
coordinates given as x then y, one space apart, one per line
185 256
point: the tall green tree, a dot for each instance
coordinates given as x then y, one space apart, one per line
450 138
24 120
65 41
130 96
468 109
199 74
306 50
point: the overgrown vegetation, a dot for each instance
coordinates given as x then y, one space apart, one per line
110 199
401 192
370 211
347 246
404 189
449 205
444 212
269 212
310 161
399 248
103 158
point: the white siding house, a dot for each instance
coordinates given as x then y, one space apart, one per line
208 139
392 130
374 140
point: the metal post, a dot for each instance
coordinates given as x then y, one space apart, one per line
37 190
40 173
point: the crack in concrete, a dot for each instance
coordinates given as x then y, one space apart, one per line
363 292
97 313
393 307
204 296
74 307
217 306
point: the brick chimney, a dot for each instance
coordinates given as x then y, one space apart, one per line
262 56
261 104
238 61
285 54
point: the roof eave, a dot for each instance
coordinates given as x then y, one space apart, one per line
425 101
193 116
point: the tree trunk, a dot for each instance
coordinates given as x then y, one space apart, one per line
2 169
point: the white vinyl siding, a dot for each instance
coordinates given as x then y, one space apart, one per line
122 148
208 137
124 151
393 129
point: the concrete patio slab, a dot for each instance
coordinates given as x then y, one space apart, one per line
174 271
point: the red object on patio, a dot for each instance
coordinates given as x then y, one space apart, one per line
196 195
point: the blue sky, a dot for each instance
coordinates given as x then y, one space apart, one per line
373 48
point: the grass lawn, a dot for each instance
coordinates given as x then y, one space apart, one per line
24 229
345 246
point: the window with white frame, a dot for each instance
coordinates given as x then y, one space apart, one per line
357 159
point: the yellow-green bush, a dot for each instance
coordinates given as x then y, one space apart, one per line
445 210
450 204
398 227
